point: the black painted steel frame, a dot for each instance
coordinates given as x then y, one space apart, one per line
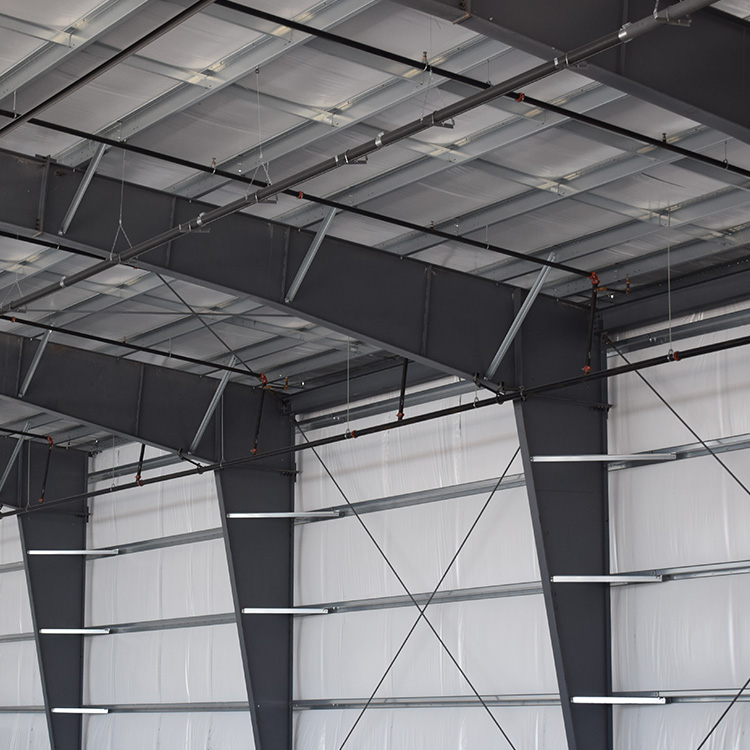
569 513
55 583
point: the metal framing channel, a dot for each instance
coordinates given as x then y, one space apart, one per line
260 565
56 584
568 503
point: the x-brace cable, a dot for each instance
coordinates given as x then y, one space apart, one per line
726 711
429 601
198 317
731 474
405 588
681 420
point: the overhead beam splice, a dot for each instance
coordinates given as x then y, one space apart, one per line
568 503
56 585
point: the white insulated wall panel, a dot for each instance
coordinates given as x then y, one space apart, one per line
503 645
201 664
24 732
456 449
679 513
10 541
180 581
169 731
678 726
20 683
336 561
691 634
15 610
175 507
527 727
709 392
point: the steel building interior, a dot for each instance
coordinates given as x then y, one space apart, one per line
374 374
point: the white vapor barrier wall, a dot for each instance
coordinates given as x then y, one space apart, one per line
24 732
691 634
168 731
709 392
527 727
10 541
681 726
679 513
440 453
174 507
503 646
15 610
20 683
180 581
336 561
201 664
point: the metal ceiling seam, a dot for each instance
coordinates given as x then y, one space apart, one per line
587 245
235 66
62 44
679 253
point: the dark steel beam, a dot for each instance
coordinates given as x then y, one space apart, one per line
99 70
698 72
260 562
155 405
442 318
56 584
568 504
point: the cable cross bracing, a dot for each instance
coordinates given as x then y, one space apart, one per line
410 595
728 471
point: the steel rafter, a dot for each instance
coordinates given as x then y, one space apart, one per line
405 306
664 69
